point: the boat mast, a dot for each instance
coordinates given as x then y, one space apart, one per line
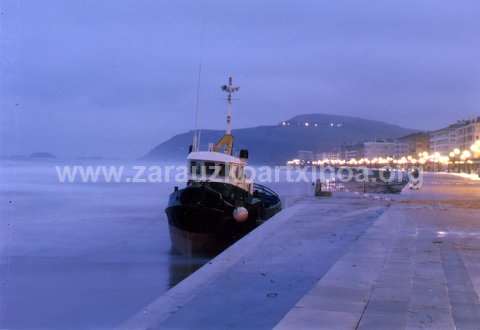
196 131
226 142
229 89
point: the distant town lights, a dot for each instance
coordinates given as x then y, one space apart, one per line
465 155
311 124
294 162
456 156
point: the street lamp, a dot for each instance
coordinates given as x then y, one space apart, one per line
475 148
452 157
466 154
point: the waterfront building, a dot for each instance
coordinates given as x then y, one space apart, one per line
460 135
444 140
416 143
375 149
385 148
305 155
328 155
467 134
352 151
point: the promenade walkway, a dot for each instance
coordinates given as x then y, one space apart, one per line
349 262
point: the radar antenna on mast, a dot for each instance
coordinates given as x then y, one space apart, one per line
227 140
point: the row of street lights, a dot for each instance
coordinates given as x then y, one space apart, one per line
465 160
457 160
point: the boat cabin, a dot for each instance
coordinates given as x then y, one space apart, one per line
211 166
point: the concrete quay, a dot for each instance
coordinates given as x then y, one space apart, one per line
347 262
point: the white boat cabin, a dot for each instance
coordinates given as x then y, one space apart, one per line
212 166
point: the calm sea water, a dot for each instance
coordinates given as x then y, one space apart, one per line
86 255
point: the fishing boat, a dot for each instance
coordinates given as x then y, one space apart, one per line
219 204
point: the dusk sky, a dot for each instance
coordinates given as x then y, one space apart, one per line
115 78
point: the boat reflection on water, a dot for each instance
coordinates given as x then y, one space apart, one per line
181 266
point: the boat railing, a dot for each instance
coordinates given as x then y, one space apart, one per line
268 197
264 189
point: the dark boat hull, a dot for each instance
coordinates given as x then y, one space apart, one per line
201 219
190 243
201 230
